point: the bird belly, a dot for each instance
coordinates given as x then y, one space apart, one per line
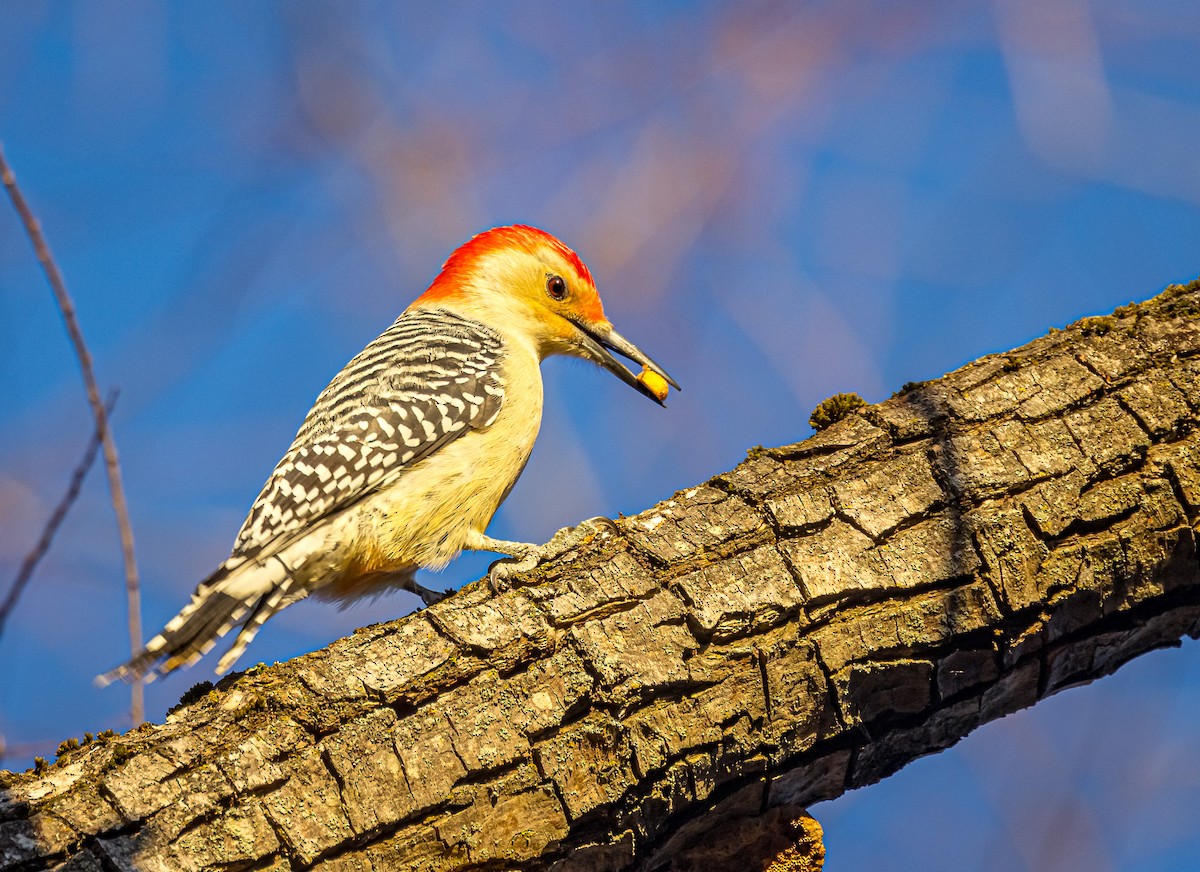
426 517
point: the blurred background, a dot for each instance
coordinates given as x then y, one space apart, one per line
780 201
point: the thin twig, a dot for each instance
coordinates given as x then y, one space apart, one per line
115 486
56 518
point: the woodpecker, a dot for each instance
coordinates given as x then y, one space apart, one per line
406 455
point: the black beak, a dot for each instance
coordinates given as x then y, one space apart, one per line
596 344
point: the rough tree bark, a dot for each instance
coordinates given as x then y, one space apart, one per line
804 624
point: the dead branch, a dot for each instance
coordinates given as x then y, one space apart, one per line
115 485
29 564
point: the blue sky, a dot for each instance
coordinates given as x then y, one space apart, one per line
779 201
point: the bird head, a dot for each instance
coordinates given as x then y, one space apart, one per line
528 284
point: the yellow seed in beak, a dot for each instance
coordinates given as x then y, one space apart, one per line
654 382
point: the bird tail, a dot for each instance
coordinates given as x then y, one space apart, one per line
219 603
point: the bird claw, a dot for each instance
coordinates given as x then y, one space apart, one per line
569 538
428 596
560 543
502 570
584 529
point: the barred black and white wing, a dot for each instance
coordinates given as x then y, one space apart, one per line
428 379
431 377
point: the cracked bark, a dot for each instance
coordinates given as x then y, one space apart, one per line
806 623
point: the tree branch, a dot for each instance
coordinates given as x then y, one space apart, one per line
29 564
116 487
805 624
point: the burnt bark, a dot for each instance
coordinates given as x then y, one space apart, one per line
806 623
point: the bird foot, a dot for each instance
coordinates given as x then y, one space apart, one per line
500 572
428 596
505 568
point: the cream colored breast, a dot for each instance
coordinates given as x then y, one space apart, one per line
424 518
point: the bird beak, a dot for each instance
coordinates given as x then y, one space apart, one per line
598 339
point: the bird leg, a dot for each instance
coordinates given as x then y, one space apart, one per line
525 556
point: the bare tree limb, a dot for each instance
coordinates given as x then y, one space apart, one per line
804 624
29 564
66 306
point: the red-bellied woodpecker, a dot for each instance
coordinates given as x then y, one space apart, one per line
409 451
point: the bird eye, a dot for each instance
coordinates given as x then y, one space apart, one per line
556 287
